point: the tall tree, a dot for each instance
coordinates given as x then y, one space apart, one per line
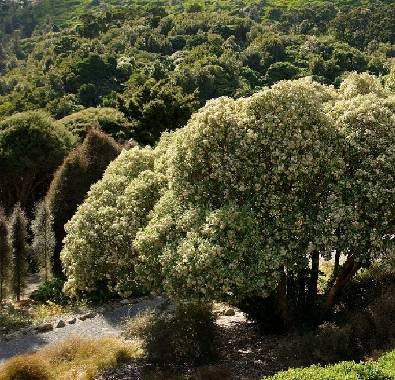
4 255
19 249
43 238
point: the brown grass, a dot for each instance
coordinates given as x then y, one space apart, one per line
72 359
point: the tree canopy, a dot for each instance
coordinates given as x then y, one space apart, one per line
249 188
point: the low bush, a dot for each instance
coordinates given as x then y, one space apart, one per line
369 329
383 369
52 291
72 359
183 335
12 318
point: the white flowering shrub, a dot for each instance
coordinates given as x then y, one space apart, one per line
366 125
246 180
361 84
247 188
98 247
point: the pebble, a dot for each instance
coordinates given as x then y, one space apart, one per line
60 324
45 327
229 312
87 316
125 302
72 321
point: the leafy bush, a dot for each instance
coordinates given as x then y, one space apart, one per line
50 291
185 334
31 148
109 120
98 250
369 328
341 371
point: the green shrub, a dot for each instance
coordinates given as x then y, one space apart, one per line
52 291
182 335
341 371
370 328
31 148
109 120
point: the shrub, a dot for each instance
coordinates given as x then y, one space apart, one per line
31 148
50 291
98 250
341 371
185 334
82 167
369 328
109 120
25 367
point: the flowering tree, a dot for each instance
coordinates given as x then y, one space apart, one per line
249 192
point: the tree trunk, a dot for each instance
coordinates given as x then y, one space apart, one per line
282 301
350 267
337 264
313 283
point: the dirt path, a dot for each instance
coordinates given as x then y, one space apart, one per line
103 324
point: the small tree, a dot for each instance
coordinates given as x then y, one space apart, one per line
43 238
19 250
4 255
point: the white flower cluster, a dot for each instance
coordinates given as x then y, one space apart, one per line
249 186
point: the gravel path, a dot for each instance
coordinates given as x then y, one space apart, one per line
103 324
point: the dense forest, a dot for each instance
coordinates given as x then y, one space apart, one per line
239 152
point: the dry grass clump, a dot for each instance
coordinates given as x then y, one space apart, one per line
25 367
74 358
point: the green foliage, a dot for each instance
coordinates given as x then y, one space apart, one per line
19 250
50 291
31 147
121 202
83 167
345 370
157 64
43 244
249 187
12 319
5 258
185 334
109 120
369 327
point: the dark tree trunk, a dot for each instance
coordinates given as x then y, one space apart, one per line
282 302
313 281
337 264
347 272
